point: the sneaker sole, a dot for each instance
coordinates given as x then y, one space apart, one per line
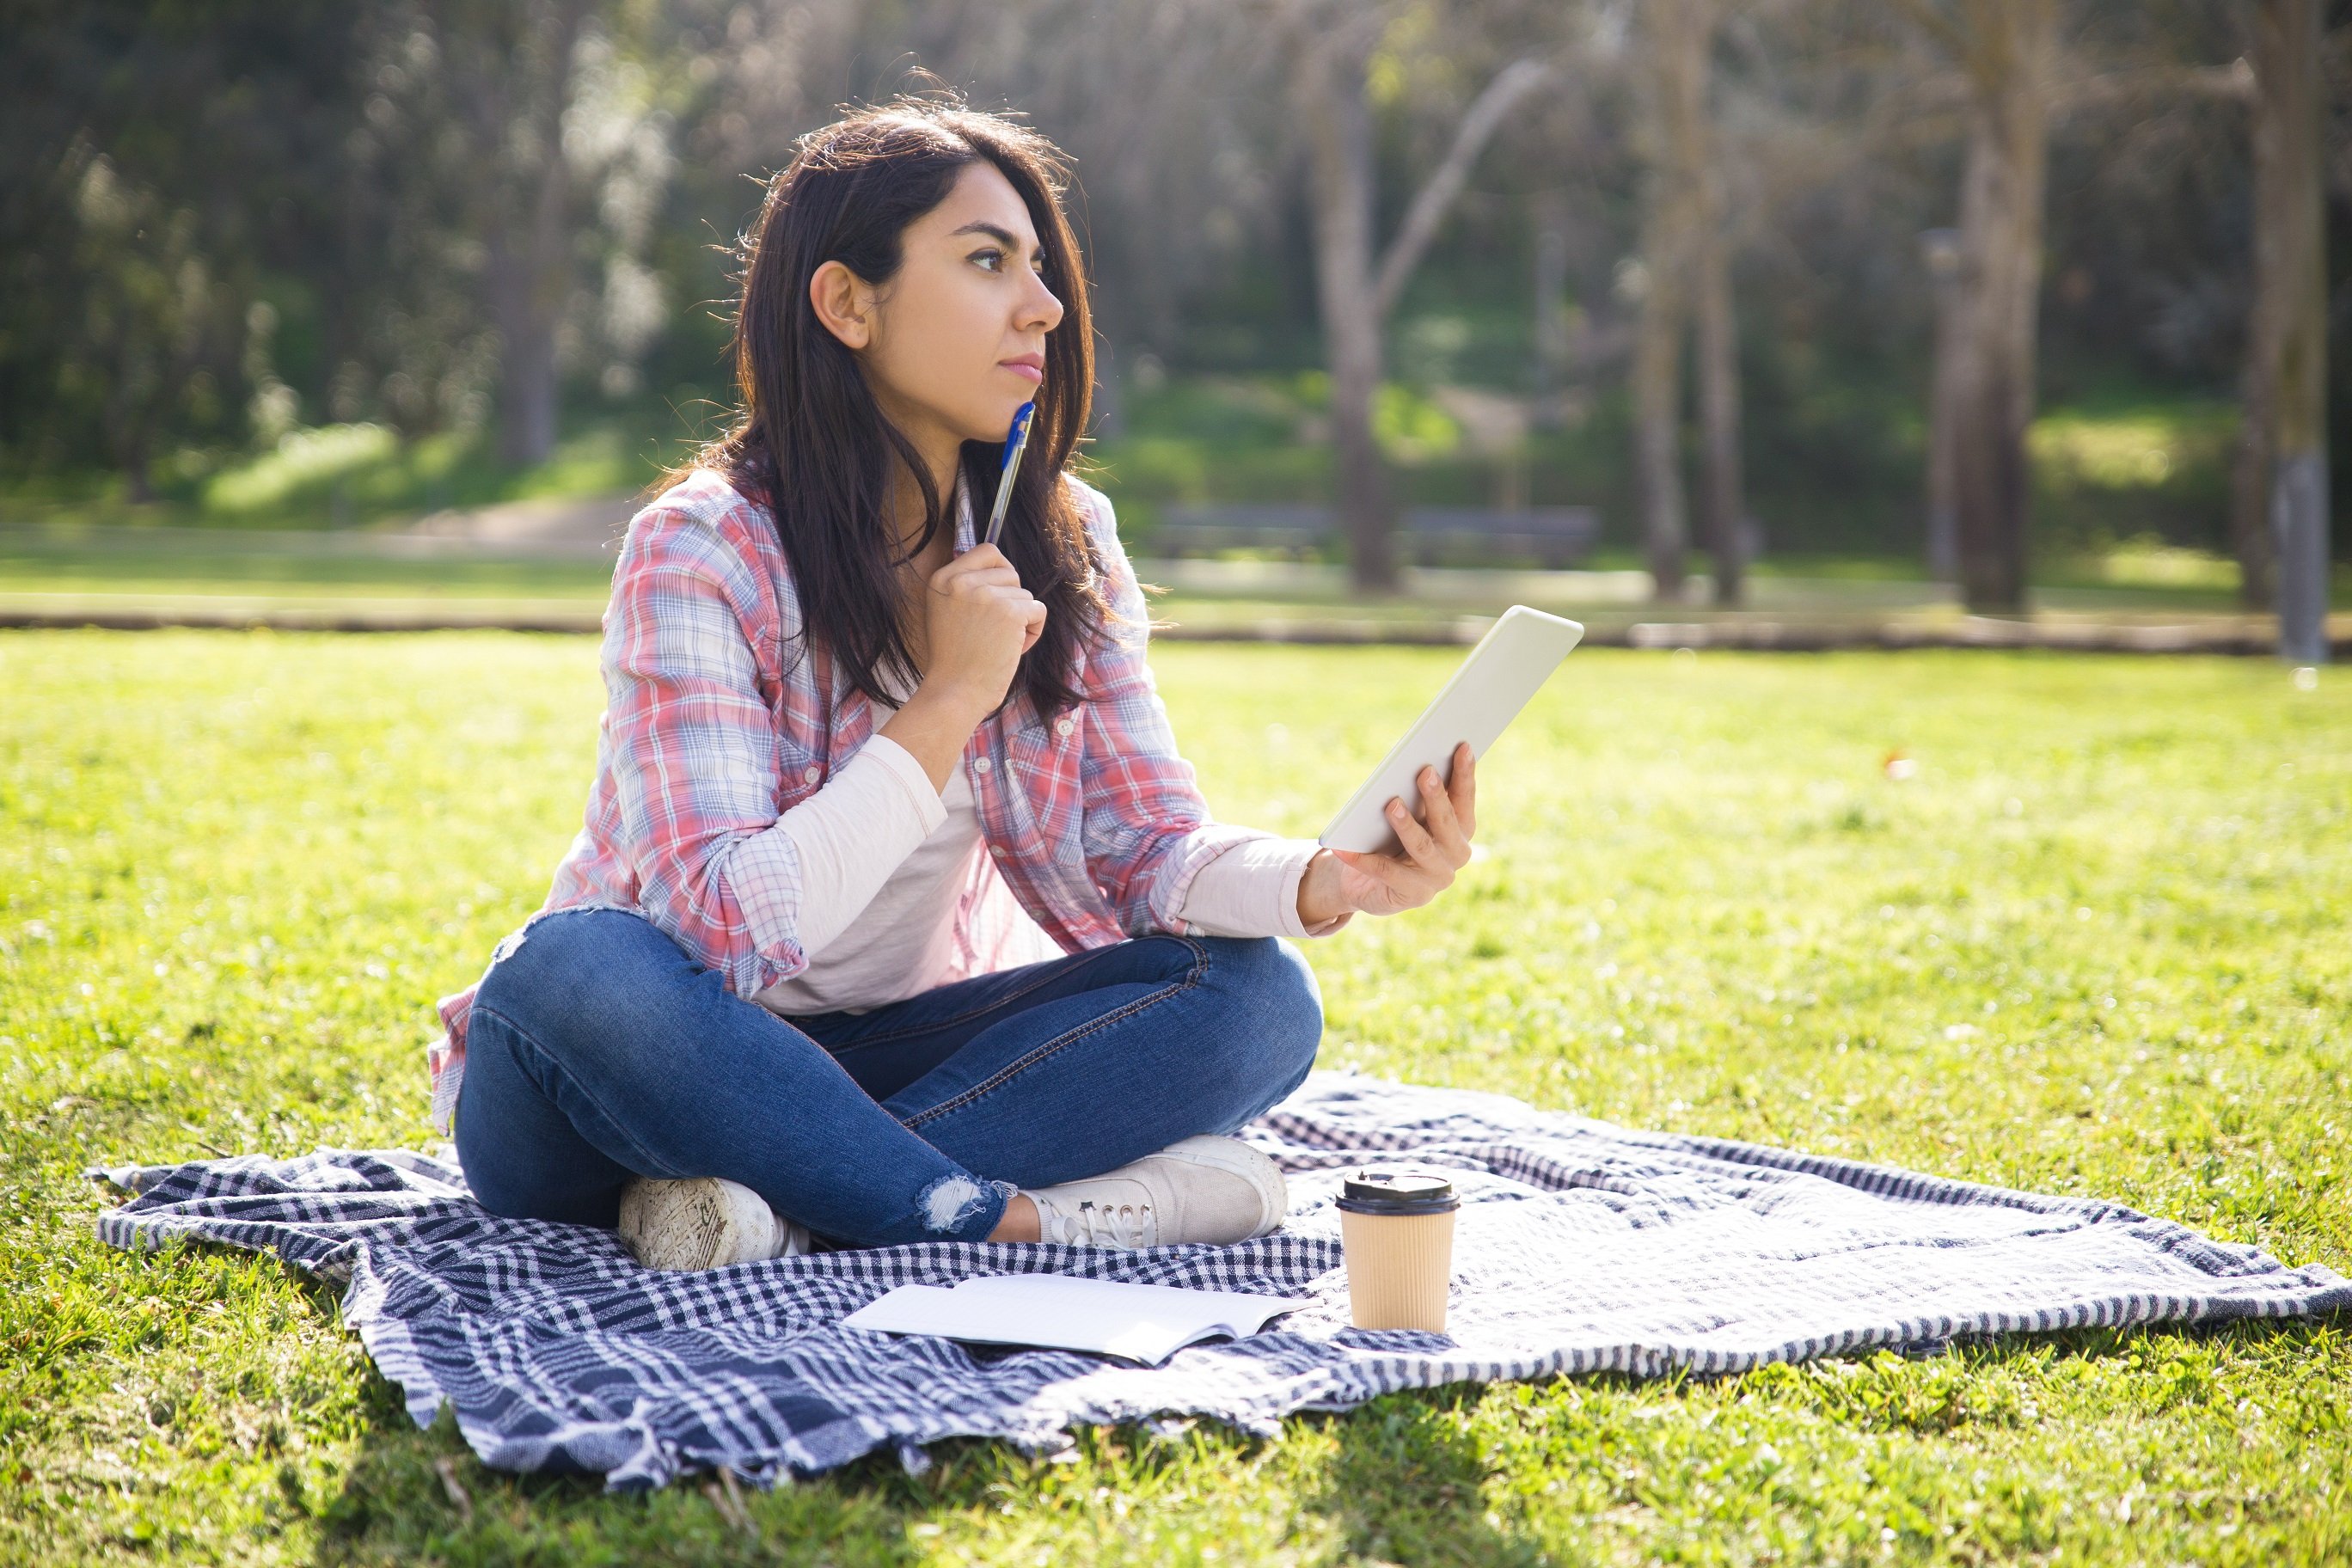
682 1225
1254 1165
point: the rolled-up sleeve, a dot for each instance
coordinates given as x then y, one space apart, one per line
1252 890
1146 832
690 746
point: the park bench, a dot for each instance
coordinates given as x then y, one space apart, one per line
1555 536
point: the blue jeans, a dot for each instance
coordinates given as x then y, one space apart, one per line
599 1051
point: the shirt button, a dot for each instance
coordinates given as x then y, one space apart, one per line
811 774
1064 724
982 765
997 850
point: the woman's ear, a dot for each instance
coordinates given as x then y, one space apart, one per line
843 302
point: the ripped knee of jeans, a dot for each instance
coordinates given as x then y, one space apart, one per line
950 1203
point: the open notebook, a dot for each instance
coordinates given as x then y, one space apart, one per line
1148 1323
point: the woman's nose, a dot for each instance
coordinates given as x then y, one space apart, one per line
1043 308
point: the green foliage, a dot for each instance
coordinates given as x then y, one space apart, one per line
306 465
2093 946
2121 468
343 474
1835 461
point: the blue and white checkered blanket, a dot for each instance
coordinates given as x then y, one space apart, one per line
1581 1248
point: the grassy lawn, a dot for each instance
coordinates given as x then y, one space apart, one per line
2095 945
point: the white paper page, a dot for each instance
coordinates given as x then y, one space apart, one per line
1139 1322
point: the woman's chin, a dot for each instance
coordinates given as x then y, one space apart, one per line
992 425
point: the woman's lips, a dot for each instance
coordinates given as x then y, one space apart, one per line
1033 374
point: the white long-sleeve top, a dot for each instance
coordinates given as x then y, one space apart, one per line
882 854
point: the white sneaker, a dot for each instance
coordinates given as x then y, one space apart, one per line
703 1222
1203 1189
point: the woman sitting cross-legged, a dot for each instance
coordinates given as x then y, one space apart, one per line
852 759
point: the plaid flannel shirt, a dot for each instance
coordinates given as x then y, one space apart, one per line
719 717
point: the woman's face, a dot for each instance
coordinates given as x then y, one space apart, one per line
955 343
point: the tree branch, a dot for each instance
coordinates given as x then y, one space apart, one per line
1484 116
2233 83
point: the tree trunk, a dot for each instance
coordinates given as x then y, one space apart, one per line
1657 418
1721 503
511 68
138 479
525 319
1679 257
1940 251
127 421
2287 337
531 370
2250 468
1340 138
2013 43
1687 264
1355 292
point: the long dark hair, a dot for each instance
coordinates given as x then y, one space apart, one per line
813 443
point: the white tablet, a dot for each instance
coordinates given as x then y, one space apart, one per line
1515 657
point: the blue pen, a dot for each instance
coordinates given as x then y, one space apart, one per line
1014 445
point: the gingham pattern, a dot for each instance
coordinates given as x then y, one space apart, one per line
1581 1248
716 721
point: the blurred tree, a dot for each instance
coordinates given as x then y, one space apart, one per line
1358 283
432 213
162 166
1163 107
1940 251
514 164
2279 506
1686 288
2006 50
154 316
508 67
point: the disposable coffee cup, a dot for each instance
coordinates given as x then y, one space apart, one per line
1396 1224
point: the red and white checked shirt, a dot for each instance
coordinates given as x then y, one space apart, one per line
719 717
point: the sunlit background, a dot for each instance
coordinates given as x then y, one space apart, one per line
1674 295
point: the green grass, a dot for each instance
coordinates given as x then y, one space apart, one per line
2095 945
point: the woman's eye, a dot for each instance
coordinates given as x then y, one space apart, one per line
995 260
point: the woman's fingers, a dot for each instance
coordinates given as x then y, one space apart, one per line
1418 844
981 567
1391 876
989 580
1464 789
1437 815
1437 845
979 558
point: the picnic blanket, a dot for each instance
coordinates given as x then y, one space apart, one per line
1581 1246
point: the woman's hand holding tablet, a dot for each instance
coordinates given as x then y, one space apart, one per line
1432 846
1384 855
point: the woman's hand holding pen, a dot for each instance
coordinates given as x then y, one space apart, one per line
1435 843
978 620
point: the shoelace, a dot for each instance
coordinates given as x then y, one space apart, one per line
1095 1224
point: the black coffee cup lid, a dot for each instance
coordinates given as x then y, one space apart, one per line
1397 1189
